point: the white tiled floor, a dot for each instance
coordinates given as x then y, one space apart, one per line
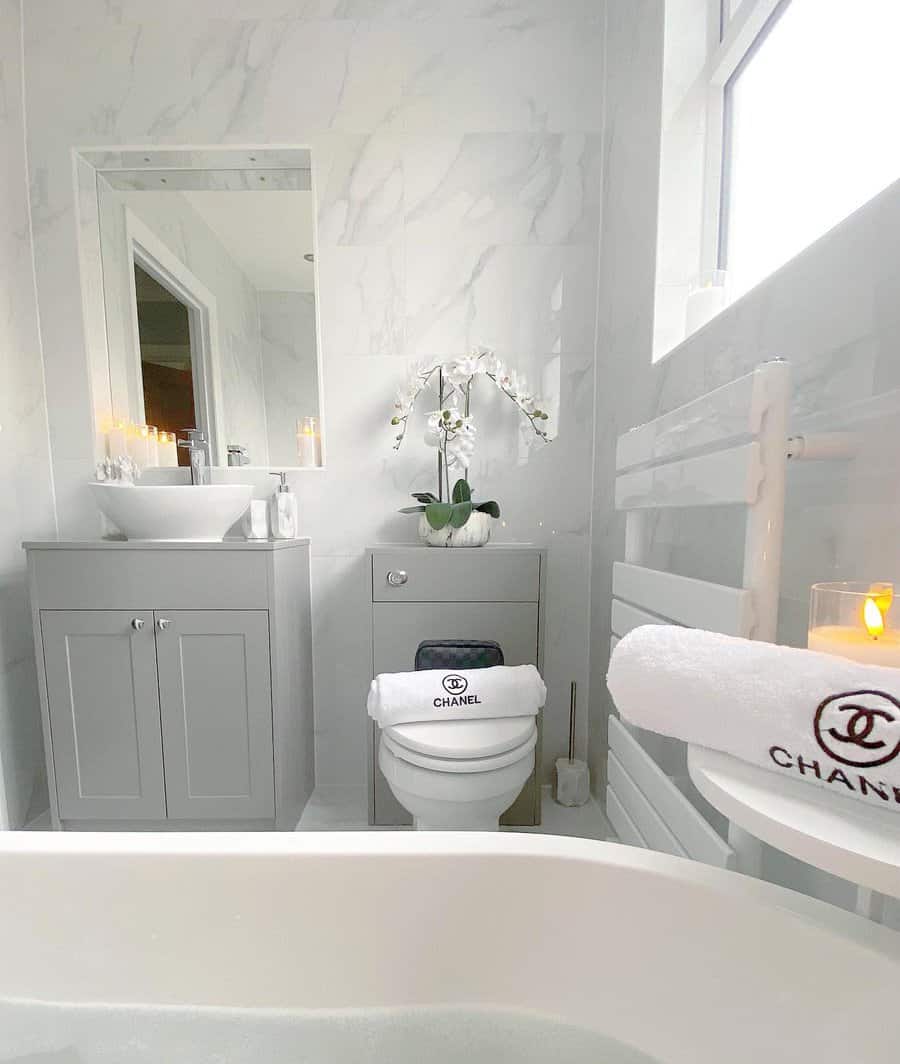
344 809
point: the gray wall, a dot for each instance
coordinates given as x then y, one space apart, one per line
26 488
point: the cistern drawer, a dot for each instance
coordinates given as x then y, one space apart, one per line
462 575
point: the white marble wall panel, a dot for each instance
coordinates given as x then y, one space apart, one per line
456 164
830 312
26 486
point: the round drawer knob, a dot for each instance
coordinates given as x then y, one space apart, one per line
163 623
137 624
397 577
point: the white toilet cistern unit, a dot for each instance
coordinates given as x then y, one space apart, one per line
457 746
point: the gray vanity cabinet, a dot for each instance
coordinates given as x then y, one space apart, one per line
493 592
104 713
176 682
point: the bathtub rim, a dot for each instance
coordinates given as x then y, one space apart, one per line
349 844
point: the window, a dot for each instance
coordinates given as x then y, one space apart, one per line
812 117
777 125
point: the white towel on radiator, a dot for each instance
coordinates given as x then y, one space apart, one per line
810 716
456 694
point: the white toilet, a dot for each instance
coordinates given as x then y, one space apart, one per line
458 775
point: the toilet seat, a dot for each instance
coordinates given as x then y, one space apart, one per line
463 738
463 746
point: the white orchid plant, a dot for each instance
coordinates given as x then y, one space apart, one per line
451 428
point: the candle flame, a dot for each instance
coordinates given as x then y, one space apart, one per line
873 618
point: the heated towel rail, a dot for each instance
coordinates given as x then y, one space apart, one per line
728 447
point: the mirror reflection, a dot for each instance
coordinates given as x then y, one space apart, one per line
209 292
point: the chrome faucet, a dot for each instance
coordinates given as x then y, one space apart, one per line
199 449
238 455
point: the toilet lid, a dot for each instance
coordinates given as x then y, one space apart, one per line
463 739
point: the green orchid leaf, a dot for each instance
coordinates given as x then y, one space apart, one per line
488 508
438 514
412 510
425 496
461 491
461 511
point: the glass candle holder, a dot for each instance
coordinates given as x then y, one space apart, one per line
167 450
152 446
854 620
308 441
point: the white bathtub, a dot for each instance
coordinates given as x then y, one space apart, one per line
681 962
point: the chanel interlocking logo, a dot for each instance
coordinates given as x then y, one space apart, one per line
454 685
859 728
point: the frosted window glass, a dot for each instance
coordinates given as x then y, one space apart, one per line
814 130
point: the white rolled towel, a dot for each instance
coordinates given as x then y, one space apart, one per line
455 694
814 717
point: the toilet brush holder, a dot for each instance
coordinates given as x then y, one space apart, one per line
572 783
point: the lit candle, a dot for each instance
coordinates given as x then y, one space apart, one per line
851 621
167 450
306 442
152 446
139 445
117 439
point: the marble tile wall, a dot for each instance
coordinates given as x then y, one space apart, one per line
832 312
457 171
26 486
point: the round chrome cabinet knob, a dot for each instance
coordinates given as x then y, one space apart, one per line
137 624
397 577
163 623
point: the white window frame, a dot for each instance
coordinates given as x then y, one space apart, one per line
741 36
732 40
145 248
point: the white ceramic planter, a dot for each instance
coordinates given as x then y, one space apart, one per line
474 533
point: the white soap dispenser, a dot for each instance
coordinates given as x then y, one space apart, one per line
283 515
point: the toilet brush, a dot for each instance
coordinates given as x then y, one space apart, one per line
572 785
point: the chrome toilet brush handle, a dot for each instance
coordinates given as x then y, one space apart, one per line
572 698
573 780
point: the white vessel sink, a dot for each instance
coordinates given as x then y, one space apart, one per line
173 511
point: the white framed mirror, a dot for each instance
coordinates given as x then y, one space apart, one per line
207 279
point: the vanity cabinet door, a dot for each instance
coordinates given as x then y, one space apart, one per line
216 707
104 714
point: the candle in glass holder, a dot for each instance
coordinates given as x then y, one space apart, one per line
117 439
167 450
152 446
853 621
307 441
139 445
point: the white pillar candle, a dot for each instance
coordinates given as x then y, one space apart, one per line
117 440
849 642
